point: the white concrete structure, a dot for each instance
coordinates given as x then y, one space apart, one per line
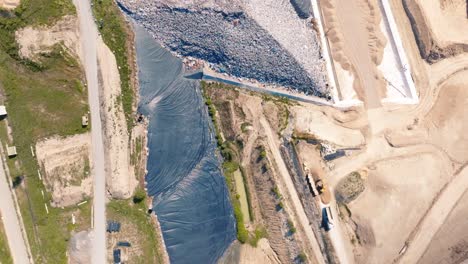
404 67
3 111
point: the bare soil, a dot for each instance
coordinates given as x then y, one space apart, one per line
447 247
65 168
33 41
9 4
121 179
317 122
439 27
390 195
447 122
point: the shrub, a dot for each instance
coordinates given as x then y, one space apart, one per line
302 257
140 196
260 232
242 233
291 227
230 166
280 206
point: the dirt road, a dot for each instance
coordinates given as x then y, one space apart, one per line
11 222
89 35
294 198
436 217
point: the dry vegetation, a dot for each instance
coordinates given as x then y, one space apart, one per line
242 142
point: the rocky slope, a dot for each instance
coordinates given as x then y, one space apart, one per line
266 40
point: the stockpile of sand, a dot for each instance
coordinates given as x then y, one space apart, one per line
356 42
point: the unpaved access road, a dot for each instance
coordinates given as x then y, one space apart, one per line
296 202
89 36
10 221
436 217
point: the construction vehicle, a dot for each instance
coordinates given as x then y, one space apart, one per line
327 218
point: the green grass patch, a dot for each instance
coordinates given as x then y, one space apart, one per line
115 33
143 231
5 255
259 233
43 98
291 227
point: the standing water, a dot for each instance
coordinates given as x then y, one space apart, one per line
189 192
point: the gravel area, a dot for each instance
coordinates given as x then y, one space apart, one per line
264 40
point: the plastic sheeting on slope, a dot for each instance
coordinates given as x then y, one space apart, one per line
190 195
302 7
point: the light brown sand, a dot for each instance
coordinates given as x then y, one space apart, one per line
447 20
65 168
41 39
121 180
356 42
9 4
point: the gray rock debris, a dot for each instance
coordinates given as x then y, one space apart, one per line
259 39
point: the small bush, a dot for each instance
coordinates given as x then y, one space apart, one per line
244 126
291 227
277 193
260 232
140 196
230 167
280 206
302 257
242 233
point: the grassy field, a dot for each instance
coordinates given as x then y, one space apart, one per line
43 98
5 257
138 229
116 35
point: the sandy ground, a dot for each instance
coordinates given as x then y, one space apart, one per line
35 40
316 122
390 194
445 248
447 20
246 254
9 4
447 122
356 44
66 166
121 180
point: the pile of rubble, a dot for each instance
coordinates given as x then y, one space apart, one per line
266 40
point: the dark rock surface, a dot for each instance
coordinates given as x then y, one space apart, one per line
228 38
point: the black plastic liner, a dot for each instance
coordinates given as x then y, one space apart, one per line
303 8
190 195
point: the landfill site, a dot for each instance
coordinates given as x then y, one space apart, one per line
371 168
265 131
